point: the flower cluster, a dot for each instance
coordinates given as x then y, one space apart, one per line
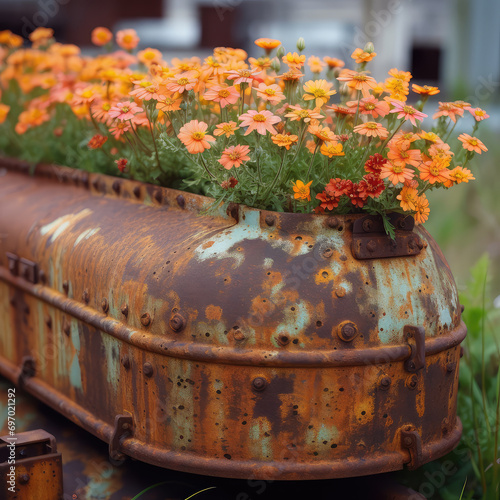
238 128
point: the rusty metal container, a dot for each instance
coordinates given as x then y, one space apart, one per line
239 344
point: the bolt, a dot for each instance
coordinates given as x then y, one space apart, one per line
65 286
420 244
411 245
177 322
147 369
105 305
327 252
85 296
367 225
332 222
124 310
347 331
444 425
137 191
125 361
95 184
411 382
232 210
116 187
450 367
125 426
270 220
145 319
24 479
259 383
385 383
181 201
239 335
340 292
462 308
407 441
283 339
401 223
158 196
371 246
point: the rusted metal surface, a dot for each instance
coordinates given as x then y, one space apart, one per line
242 344
37 469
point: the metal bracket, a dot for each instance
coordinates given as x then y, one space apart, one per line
411 440
369 240
123 427
13 262
28 370
28 270
415 336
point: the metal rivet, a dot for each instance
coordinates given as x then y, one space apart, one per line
146 319
259 383
367 225
65 286
147 369
283 339
445 426
125 361
401 223
239 335
450 367
270 220
124 310
24 479
420 244
340 292
327 252
85 296
385 383
137 191
332 222
105 305
158 196
116 187
347 331
181 201
95 184
407 441
411 382
371 246
177 322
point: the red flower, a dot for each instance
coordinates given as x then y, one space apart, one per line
337 187
356 195
371 185
327 202
121 164
375 163
97 141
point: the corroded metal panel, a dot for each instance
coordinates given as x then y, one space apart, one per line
237 343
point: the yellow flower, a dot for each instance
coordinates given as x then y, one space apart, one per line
302 191
319 90
331 149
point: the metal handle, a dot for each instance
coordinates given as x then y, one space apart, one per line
415 336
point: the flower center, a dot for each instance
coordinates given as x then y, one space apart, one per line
369 106
319 93
303 113
245 73
125 109
270 92
259 118
198 136
227 128
408 110
234 156
182 81
371 126
397 169
224 93
473 142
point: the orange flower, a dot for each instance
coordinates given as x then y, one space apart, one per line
324 134
372 129
193 135
472 143
340 109
404 76
404 156
357 81
182 82
227 128
408 198
101 36
478 114
422 209
261 63
332 149
360 56
403 140
302 191
146 90
234 156
260 121
121 164
397 88
294 60
448 109
333 62
40 36
284 140
315 64
291 76
222 94
267 44
435 170
271 93
407 112
395 173
4 111
149 56
127 39
425 90
119 129
124 111
243 75
307 115
167 104
319 90
97 141
461 174
370 105
430 137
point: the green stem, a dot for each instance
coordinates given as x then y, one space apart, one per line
276 176
206 167
391 136
312 160
452 129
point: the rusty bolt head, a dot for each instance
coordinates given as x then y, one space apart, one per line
420 243
347 331
147 369
145 319
86 296
65 286
177 322
401 224
340 292
385 383
371 246
239 335
367 225
95 184
125 361
327 253
24 479
116 187
411 245
105 305
407 441
411 382
332 222
450 367
445 426
124 309
270 220
181 201
158 196
137 191
283 339
259 384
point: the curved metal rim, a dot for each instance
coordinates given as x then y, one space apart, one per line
222 467
228 354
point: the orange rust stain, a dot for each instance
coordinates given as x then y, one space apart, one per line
323 276
213 312
420 401
208 244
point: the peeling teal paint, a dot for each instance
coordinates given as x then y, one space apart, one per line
75 374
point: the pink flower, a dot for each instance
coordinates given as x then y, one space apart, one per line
259 121
124 111
243 75
224 95
234 156
407 112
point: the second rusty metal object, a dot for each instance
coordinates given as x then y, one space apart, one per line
272 350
